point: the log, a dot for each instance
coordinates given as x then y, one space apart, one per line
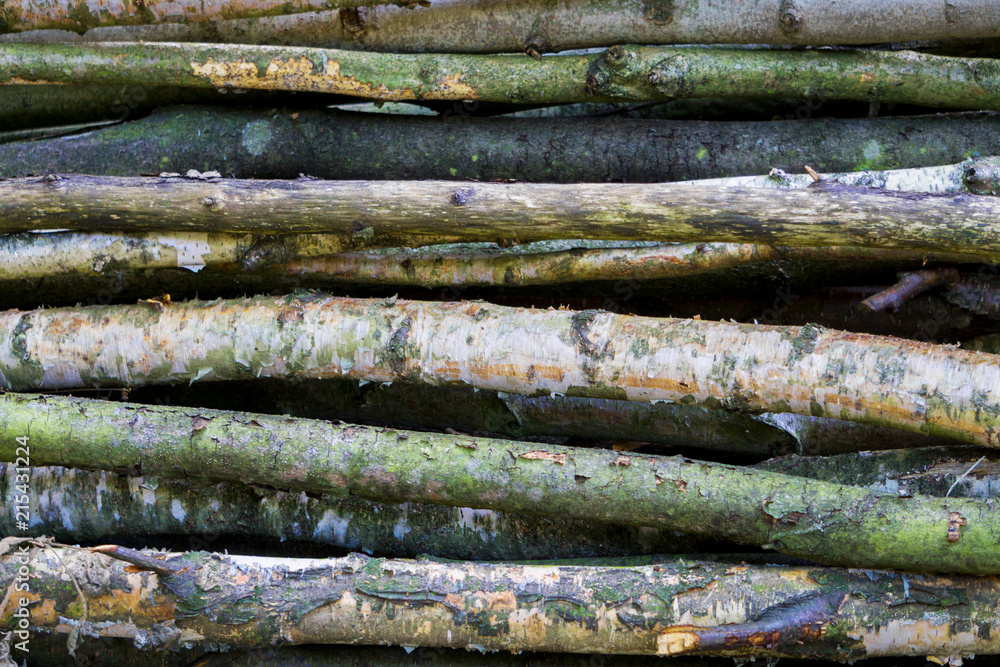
80 506
618 74
668 608
341 145
824 522
593 354
373 213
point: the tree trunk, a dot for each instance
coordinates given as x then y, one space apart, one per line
827 523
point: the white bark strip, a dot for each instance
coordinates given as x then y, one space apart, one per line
805 370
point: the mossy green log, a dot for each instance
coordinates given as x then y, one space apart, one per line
629 73
824 522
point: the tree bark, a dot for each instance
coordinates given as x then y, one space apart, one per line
325 144
34 255
667 608
496 268
958 472
488 26
805 370
21 15
826 523
374 213
79 506
618 74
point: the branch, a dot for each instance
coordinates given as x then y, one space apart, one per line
739 609
911 283
618 74
827 523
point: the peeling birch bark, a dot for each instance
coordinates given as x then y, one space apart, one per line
824 522
618 74
805 370
78 506
373 213
667 608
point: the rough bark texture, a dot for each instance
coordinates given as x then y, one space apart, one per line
618 74
666 608
79 506
376 213
489 26
340 145
34 255
827 523
961 472
593 354
20 15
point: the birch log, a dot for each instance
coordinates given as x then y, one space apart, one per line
666 608
805 370
373 213
827 523
618 74
318 256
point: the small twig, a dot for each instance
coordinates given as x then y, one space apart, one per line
139 559
964 475
910 284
